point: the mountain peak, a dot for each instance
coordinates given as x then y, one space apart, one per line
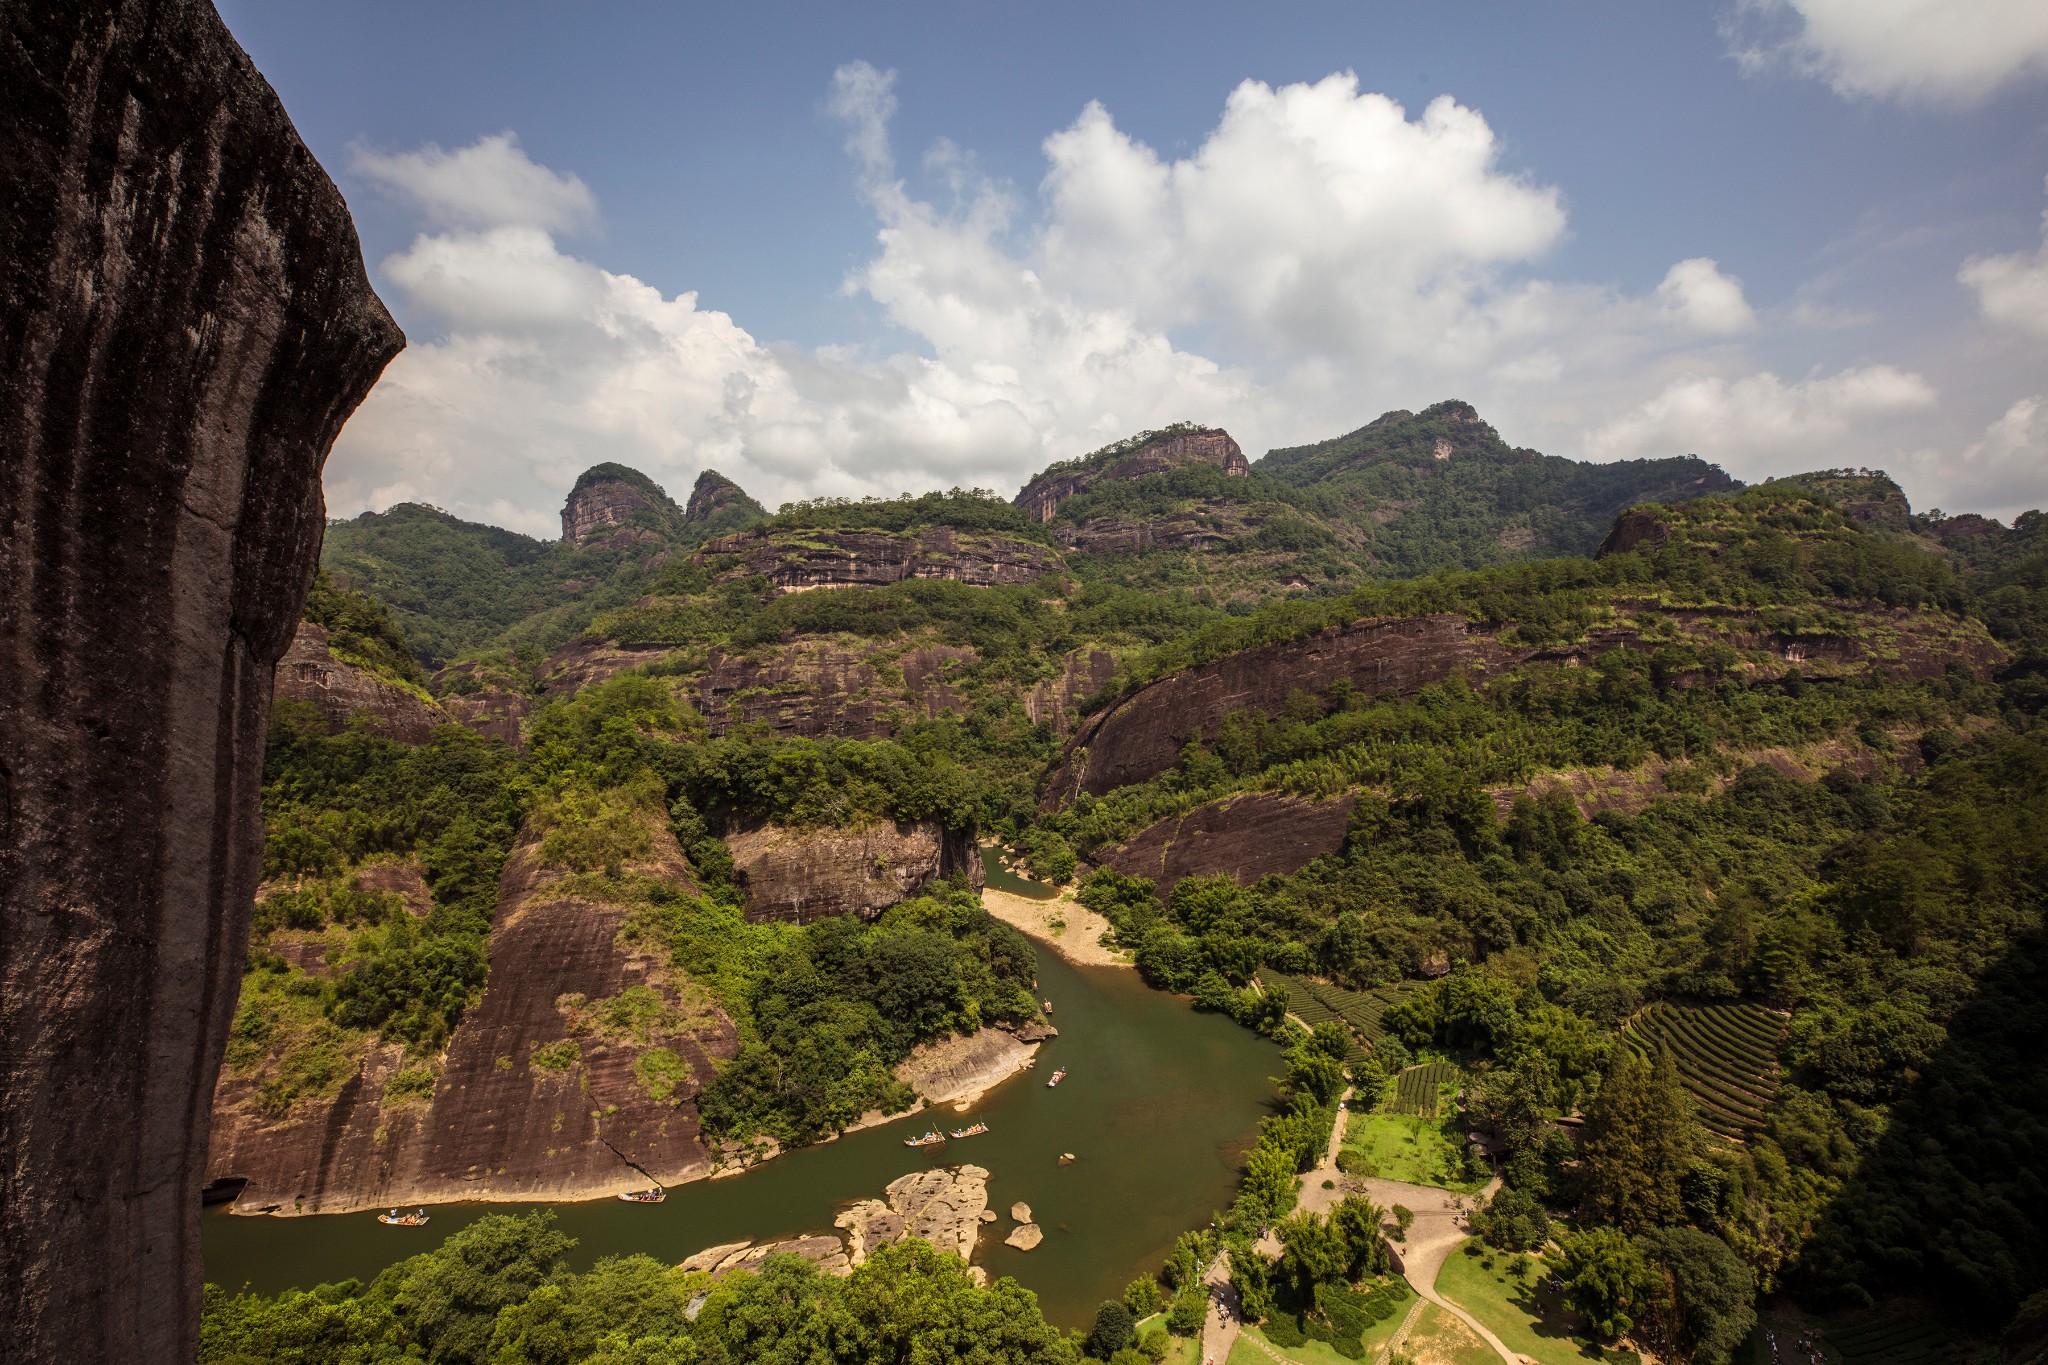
717 499
611 501
1151 452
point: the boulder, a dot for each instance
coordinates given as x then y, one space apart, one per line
942 1206
1024 1236
185 324
1020 1212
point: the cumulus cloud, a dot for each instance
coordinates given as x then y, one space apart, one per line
490 183
1930 51
1702 298
2013 290
1760 425
1320 256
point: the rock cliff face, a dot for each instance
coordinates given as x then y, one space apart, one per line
801 877
1057 701
1245 837
184 326
796 561
1041 498
535 1099
1141 735
717 502
616 505
309 672
815 688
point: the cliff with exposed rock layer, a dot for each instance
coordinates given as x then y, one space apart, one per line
185 324
1158 453
538 1095
310 673
803 875
799 560
1243 837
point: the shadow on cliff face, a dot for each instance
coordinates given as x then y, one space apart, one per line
1952 1203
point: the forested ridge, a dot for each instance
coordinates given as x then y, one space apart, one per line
1727 933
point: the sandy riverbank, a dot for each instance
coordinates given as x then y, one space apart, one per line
1079 941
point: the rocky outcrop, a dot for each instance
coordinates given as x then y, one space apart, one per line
1633 531
1141 735
310 673
800 876
800 560
718 503
942 1206
962 1068
492 713
1041 498
534 1100
1245 837
611 504
1197 528
1057 701
184 325
820 688
828 1253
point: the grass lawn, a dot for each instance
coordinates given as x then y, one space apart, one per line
1440 1339
1524 1313
1414 1151
1179 1350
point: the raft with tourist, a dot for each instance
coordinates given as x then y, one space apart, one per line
973 1130
1057 1077
404 1220
931 1138
653 1195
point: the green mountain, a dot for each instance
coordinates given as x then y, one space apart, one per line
1691 836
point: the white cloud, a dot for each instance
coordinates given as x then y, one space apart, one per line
1760 425
1317 258
1700 297
2013 290
2000 474
1930 51
490 183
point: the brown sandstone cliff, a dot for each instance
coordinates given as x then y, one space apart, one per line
537 1097
1041 498
800 876
1141 735
184 325
310 673
1244 837
608 508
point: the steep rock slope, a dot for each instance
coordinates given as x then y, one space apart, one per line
800 876
310 673
1153 452
1141 735
542 1092
1244 837
184 325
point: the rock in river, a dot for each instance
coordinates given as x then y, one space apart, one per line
1024 1236
942 1206
1021 1211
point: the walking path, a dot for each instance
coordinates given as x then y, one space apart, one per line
1438 1230
1221 1326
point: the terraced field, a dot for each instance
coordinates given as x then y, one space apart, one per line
1313 1002
1893 1341
1727 1055
1416 1089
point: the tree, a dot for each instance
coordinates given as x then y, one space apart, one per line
1114 1330
1356 1222
1314 1253
1708 1299
1513 1221
1640 1140
1252 1277
450 1297
1606 1277
1142 1297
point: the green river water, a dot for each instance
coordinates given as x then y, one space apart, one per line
1159 1105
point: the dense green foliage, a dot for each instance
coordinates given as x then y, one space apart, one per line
501 1292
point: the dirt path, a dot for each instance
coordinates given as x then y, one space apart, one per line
1438 1230
1080 941
1221 1326
1314 1198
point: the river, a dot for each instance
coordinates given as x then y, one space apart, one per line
1159 1105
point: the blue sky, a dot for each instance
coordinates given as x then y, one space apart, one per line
857 249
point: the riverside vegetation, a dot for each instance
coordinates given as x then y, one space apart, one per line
1729 929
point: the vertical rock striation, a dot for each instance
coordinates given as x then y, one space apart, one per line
184 326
